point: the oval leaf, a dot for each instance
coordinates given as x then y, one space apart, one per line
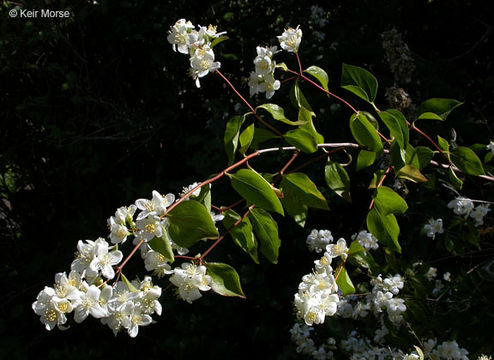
364 133
438 106
360 82
389 202
467 161
365 159
224 280
320 75
190 222
277 113
345 283
245 139
242 233
256 190
302 139
397 126
337 179
299 187
266 230
385 228
230 138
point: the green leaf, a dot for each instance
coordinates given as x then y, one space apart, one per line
282 66
296 209
355 248
241 234
365 159
345 283
278 113
246 138
256 190
389 202
320 75
410 172
218 40
261 135
298 186
231 136
190 222
305 116
224 280
163 246
128 283
266 230
419 157
429 116
364 133
337 179
467 161
385 228
359 81
398 155
455 180
443 144
438 106
302 139
397 126
298 99
204 197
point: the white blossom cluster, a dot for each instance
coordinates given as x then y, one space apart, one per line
366 239
262 78
317 293
490 147
463 206
123 305
197 44
434 227
300 334
84 292
290 39
317 240
382 298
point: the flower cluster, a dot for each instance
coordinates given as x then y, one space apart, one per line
198 44
124 304
398 56
317 296
300 334
465 207
317 240
434 227
84 292
262 79
366 239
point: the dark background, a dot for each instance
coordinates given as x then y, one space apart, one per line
97 111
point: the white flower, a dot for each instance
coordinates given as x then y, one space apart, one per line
323 265
461 206
118 232
189 280
318 240
203 62
124 214
290 39
90 303
451 350
156 262
84 256
103 260
156 206
478 214
338 249
447 276
149 228
434 227
270 85
490 147
313 307
186 189
178 34
366 239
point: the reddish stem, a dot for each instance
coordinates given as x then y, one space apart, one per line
226 232
431 141
223 209
379 185
273 129
295 154
119 269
